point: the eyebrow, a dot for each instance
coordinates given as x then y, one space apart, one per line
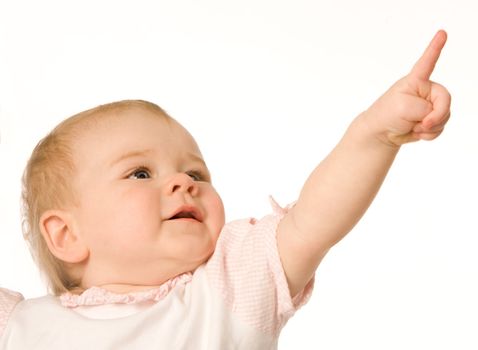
142 153
196 158
132 154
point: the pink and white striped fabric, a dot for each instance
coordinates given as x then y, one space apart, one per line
247 270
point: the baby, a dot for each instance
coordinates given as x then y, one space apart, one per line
126 226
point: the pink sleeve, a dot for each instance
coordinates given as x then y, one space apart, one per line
8 300
247 270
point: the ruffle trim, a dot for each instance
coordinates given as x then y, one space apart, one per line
277 209
99 296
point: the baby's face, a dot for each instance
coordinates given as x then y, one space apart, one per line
147 210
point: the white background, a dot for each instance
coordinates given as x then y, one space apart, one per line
268 88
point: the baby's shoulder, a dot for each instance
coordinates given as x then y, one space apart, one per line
8 300
271 219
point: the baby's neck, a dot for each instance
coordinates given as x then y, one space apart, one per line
112 281
126 288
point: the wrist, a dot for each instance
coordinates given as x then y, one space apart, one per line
365 128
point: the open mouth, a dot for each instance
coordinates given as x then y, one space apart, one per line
186 213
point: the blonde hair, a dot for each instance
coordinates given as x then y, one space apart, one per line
46 184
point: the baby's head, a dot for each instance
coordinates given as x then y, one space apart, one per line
119 196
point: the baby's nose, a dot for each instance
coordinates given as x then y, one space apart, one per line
182 183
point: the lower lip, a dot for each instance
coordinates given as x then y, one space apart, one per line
185 219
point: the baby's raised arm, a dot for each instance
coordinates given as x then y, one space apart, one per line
343 185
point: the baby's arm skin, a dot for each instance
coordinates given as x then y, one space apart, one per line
341 188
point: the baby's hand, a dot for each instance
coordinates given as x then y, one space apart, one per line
414 108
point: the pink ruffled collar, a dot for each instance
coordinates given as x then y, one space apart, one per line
99 296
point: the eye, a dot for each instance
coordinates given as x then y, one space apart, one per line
196 175
140 173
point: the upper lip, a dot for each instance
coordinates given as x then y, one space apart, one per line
187 211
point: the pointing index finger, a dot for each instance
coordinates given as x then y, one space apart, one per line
424 67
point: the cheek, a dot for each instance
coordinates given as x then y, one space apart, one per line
119 213
136 210
216 211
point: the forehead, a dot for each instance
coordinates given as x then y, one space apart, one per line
110 135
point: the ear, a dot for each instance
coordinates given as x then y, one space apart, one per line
62 237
